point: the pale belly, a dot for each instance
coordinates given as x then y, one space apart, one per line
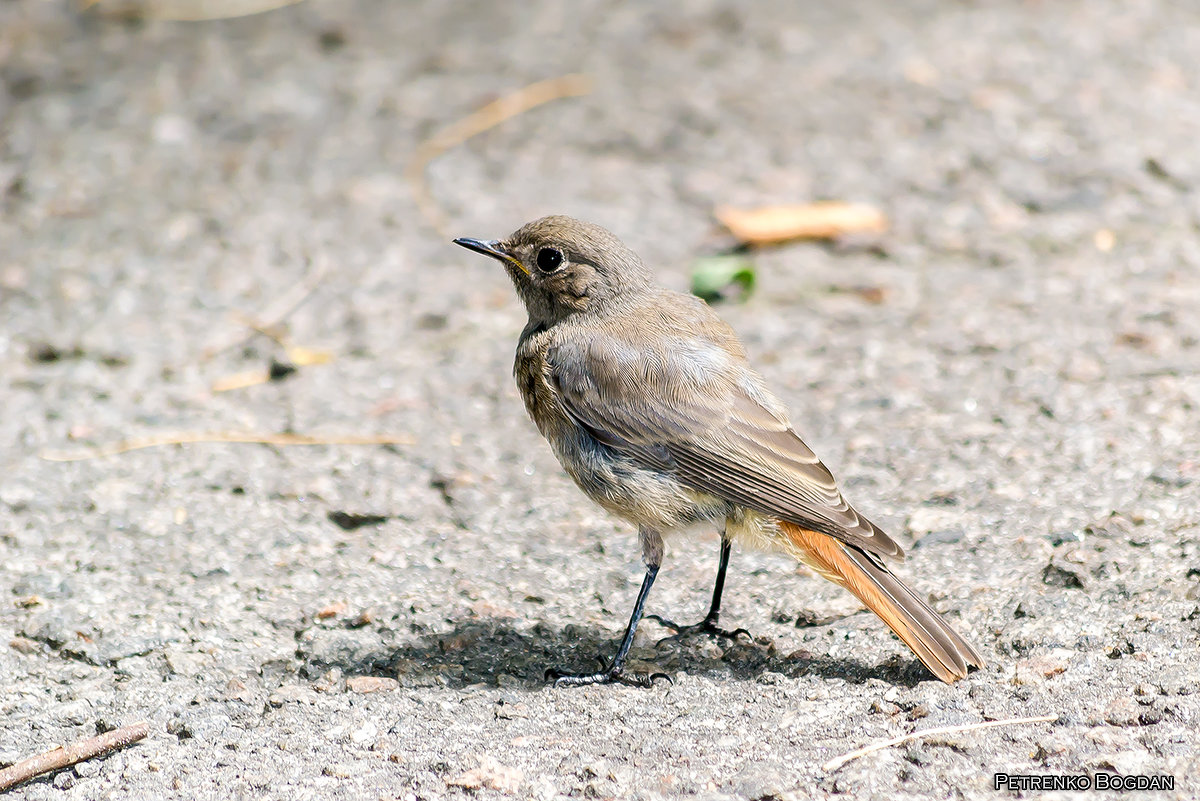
655 500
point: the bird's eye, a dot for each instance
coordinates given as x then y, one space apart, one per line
549 259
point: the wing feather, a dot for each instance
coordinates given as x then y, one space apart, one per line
695 409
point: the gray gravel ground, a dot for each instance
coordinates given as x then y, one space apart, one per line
1019 407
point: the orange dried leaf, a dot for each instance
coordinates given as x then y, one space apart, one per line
303 357
333 610
251 378
771 225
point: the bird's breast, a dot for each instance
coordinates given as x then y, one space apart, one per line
641 494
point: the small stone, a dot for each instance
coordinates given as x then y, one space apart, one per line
23 645
1060 574
236 690
171 129
88 769
508 681
110 650
759 781
1123 712
330 681
490 774
945 536
371 684
925 520
1170 476
292 693
1052 746
64 780
186 663
351 650
881 707
1127 762
76 713
510 711
210 727
366 733
1036 669
106 723
332 610
338 771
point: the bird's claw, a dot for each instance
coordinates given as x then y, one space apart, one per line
612 675
707 626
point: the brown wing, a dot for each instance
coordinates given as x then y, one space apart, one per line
696 410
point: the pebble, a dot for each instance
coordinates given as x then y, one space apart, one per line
1123 712
490 774
1036 669
371 684
292 693
365 733
23 645
187 663
759 781
88 769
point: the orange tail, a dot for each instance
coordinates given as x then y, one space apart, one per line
939 647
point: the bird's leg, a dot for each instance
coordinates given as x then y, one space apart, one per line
614 671
653 551
709 624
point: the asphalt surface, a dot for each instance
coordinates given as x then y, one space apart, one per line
1008 381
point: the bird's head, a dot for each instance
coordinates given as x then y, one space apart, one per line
562 266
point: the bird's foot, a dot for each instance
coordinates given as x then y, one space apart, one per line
708 626
610 675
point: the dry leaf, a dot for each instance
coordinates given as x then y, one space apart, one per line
189 438
250 378
303 357
770 225
333 610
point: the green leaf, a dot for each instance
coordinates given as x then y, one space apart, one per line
721 278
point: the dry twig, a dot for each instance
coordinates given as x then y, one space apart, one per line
269 319
189 438
66 756
184 10
477 122
837 762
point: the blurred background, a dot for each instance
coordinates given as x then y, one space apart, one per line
237 228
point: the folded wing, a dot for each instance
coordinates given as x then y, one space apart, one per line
712 425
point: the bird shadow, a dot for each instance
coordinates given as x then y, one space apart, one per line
492 651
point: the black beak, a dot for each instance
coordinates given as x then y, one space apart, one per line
488 247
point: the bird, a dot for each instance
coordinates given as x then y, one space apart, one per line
648 400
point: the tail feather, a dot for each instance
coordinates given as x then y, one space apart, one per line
939 647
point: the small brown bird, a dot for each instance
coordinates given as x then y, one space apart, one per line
649 403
